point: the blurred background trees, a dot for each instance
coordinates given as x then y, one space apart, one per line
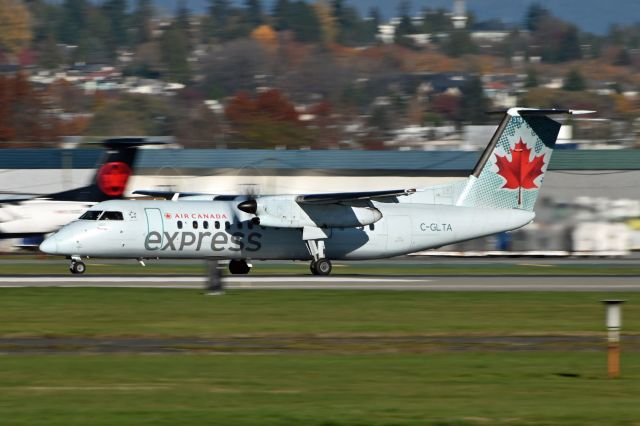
15 27
106 67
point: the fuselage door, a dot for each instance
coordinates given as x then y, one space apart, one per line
399 233
154 222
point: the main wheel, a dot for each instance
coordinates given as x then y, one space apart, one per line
312 267
77 267
323 267
239 267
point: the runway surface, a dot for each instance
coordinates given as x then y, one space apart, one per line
343 282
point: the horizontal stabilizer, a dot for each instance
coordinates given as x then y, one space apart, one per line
539 111
134 141
15 197
551 111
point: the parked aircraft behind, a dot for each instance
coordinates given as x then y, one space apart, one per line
498 196
24 217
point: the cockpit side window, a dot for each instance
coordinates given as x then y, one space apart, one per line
91 215
112 216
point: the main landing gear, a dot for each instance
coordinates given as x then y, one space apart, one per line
320 265
77 266
239 267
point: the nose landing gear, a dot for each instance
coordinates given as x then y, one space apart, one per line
77 267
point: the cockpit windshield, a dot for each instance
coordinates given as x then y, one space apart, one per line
111 216
100 215
91 215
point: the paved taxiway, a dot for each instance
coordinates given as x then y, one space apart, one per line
343 282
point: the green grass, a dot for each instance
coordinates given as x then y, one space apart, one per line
331 390
169 312
394 386
426 267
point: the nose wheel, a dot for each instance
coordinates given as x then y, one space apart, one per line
77 267
239 267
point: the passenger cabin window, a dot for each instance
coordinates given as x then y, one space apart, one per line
112 216
205 225
179 224
195 224
227 225
217 224
91 215
371 227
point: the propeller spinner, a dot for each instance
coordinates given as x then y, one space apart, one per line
249 206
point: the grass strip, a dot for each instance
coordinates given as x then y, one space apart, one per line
329 390
141 312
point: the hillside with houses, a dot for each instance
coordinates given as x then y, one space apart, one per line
294 74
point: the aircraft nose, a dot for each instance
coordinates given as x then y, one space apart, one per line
50 245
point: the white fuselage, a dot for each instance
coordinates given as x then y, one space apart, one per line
38 216
217 229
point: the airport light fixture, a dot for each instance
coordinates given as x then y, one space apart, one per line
614 324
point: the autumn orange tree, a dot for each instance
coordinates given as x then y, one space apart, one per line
23 113
326 125
6 130
15 26
267 120
267 37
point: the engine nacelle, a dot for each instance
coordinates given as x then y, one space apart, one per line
285 212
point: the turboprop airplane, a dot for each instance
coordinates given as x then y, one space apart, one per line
23 217
498 196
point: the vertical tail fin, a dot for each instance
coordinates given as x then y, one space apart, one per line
510 171
112 172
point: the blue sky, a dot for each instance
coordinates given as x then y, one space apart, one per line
591 15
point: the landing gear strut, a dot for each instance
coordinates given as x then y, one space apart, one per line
77 266
239 267
320 265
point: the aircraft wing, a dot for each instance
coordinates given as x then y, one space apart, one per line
14 197
329 198
350 196
165 194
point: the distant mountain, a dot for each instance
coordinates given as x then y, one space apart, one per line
589 15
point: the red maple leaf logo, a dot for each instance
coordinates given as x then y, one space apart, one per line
112 178
167 215
520 173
